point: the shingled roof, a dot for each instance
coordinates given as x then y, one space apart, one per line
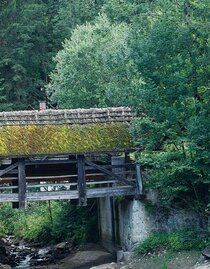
66 116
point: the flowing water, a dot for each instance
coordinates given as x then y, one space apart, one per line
23 254
25 263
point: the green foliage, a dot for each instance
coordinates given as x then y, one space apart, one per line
6 215
173 56
150 55
73 13
62 221
23 54
31 33
51 139
176 241
95 69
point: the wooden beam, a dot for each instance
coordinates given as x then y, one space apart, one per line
139 183
91 193
8 169
49 162
67 195
15 186
81 180
109 173
22 183
111 166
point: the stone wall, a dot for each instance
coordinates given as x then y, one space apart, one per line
133 223
137 222
129 221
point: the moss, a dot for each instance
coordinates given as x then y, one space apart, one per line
60 139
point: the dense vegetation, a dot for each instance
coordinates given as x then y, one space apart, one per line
176 241
150 55
50 222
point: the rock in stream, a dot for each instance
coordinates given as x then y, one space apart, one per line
21 254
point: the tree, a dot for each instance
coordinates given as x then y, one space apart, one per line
95 68
23 53
31 33
173 57
73 13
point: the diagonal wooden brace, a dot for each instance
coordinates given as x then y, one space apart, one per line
8 169
109 173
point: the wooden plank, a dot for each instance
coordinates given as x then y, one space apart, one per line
8 187
139 183
22 184
68 184
9 197
64 176
109 173
72 179
81 180
8 169
67 195
50 162
111 192
91 193
46 196
111 166
51 185
2 179
13 172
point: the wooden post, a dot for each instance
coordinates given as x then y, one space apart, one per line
81 180
15 183
139 184
127 157
116 160
22 183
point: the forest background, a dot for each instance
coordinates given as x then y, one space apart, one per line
151 55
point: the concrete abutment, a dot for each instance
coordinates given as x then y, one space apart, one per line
134 221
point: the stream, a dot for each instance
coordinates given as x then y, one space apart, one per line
23 254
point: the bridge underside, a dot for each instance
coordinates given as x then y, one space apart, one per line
68 177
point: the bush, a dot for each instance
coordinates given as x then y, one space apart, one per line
49 222
8 217
177 241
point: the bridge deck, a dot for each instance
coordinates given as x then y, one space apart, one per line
70 195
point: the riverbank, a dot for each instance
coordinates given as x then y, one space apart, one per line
164 260
86 257
63 256
21 254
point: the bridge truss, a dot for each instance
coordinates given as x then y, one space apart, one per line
69 177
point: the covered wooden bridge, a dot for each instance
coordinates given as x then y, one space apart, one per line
66 154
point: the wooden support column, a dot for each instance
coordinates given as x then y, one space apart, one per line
139 183
22 183
118 160
15 183
81 180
